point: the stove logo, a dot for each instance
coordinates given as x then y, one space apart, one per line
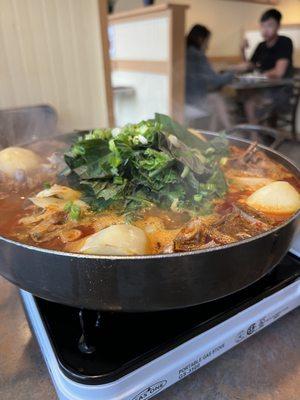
150 391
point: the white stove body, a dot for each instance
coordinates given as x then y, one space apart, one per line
150 379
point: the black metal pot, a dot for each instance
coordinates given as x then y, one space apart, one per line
147 283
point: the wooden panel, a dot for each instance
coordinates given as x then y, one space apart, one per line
177 64
225 59
51 53
106 61
156 67
143 12
290 26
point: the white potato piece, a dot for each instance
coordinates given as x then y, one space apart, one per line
121 239
278 197
13 159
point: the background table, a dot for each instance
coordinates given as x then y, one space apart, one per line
259 84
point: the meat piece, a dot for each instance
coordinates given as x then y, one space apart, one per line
218 236
32 219
240 160
197 234
253 162
249 153
249 212
47 229
70 235
240 225
192 236
233 226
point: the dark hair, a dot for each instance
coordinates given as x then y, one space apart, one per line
271 13
197 35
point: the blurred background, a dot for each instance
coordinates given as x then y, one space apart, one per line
221 65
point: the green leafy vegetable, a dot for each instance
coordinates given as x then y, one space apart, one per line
46 185
155 162
73 210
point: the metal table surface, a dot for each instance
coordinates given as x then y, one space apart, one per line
264 367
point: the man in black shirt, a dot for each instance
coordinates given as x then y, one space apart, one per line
273 58
274 61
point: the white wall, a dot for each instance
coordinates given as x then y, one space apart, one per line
146 40
151 93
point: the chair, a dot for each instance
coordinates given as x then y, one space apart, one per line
287 119
25 124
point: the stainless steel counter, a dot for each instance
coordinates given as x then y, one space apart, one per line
265 367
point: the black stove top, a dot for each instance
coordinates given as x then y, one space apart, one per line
94 348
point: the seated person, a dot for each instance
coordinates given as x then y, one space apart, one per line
273 58
202 82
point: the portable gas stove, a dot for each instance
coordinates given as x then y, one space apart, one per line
119 356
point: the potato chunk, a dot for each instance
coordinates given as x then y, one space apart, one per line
122 239
13 159
276 198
